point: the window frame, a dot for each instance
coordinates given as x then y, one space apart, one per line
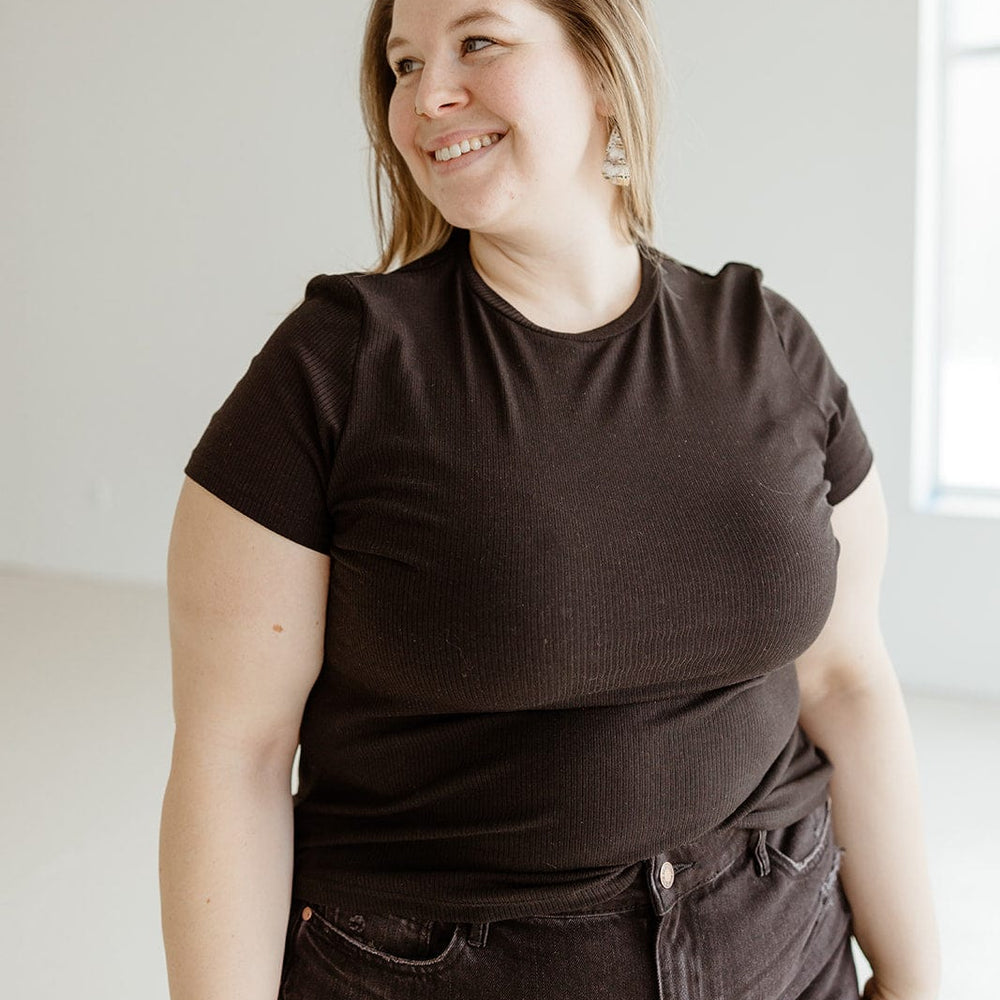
936 54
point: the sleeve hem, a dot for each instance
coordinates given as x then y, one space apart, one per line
850 480
251 507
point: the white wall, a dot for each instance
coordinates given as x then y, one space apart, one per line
173 174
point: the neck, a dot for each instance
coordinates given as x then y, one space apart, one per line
567 281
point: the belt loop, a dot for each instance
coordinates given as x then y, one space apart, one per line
478 934
761 858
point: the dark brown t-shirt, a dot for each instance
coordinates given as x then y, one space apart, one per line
570 574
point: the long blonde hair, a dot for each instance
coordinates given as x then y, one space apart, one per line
615 42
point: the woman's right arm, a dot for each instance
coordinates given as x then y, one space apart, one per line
247 616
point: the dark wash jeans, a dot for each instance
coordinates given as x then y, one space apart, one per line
737 915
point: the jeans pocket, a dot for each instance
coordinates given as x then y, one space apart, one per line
771 923
397 942
797 848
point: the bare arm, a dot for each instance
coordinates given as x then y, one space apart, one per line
853 709
247 611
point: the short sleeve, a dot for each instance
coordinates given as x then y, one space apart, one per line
849 455
268 450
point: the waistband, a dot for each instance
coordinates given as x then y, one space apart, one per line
661 880
655 883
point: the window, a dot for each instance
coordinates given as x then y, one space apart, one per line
957 402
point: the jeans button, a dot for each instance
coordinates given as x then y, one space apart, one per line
666 874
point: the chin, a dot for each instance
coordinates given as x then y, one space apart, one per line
499 207
464 218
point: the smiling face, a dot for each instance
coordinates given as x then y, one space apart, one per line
514 75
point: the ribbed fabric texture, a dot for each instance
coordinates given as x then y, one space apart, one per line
570 574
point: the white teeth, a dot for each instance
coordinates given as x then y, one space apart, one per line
465 146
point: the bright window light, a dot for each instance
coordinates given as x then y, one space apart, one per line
957 398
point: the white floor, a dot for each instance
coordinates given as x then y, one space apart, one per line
85 713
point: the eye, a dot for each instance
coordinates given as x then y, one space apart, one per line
476 38
401 66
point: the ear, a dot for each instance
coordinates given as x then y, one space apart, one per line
601 105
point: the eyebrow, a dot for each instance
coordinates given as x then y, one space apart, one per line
473 16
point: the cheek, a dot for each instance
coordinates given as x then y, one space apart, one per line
541 102
401 124
395 124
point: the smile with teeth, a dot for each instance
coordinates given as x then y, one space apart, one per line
466 146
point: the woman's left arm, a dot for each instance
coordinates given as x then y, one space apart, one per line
852 708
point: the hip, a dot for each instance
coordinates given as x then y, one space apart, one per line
738 914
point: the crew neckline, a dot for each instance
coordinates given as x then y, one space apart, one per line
621 324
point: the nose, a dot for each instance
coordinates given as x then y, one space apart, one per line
439 91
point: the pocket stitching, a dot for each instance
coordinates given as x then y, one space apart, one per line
371 953
811 859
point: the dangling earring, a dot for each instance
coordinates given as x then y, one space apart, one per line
615 168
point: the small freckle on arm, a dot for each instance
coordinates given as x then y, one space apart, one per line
277 628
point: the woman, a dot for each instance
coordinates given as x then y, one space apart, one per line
562 559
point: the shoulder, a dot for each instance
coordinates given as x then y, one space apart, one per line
329 316
733 271
367 291
336 308
312 350
730 306
733 282
740 289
